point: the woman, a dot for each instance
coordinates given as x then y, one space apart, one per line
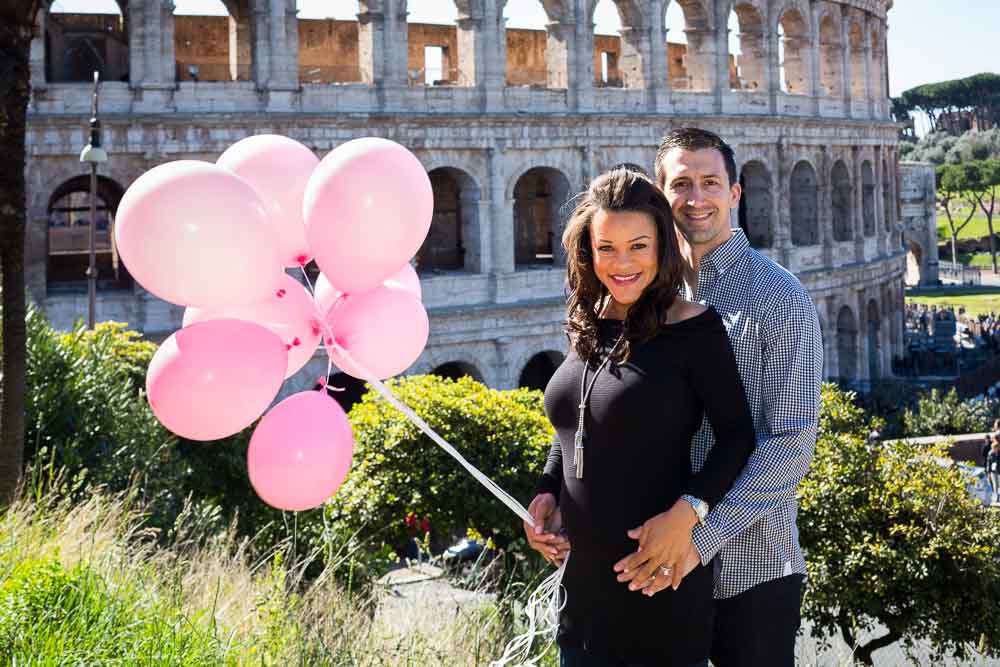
644 367
993 467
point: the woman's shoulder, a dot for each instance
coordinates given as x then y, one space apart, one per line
684 314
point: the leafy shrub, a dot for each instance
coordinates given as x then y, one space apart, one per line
892 535
938 413
399 472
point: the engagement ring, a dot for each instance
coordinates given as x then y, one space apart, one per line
665 570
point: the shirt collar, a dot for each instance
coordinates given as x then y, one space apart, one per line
723 257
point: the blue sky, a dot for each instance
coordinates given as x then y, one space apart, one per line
929 40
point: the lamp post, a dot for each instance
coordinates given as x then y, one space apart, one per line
93 154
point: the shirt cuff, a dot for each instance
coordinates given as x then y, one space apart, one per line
548 483
707 541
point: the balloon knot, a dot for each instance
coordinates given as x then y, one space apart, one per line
296 341
329 341
287 347
322 382
281 293
301 259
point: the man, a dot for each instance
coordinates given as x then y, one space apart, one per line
774 331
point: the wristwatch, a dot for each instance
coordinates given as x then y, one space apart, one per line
699 506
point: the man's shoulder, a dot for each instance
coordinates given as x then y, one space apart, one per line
770 284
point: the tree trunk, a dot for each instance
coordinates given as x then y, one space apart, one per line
16 23
863 654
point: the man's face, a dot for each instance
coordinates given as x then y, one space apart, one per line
700 194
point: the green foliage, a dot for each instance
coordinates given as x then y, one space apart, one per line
978 94
942 148
892 535
938 413
398 471
74 615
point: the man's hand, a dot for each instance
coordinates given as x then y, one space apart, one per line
664 541
546 537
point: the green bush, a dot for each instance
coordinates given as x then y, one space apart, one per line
892 535
399 472
938 413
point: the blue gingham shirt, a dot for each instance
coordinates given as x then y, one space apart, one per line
776 338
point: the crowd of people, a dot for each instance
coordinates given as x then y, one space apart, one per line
929 323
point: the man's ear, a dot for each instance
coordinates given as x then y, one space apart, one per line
735 192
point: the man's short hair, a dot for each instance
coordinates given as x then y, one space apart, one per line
693 139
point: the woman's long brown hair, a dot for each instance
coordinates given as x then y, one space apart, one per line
620 189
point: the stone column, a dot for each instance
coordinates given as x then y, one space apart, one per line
781 206
501 257
721 34
658 84
284 46
815 87
634 63
152 61
830 349
491 54
879 197
260 47
866 42
846 74
773 71
863 374
702 70
36 57
241 48
857 222
825 206
371 42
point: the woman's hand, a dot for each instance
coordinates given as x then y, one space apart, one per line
664 542
546 537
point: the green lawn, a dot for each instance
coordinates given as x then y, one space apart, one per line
975 300
976 229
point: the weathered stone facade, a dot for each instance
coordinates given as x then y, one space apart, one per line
918 214
816 149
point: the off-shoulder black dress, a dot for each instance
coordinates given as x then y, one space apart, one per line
640 420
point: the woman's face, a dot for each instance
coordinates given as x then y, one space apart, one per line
624 247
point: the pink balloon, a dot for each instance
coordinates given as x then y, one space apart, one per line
289 312
278 168
195 234
300 452
385 330
405 279
367 208
212 379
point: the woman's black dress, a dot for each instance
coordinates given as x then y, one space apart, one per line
640 420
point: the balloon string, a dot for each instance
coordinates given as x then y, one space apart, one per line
387 394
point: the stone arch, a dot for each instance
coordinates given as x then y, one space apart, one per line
751 63
622 61
691 59
843 196
537 58
196 54
78 44
329 49
856 44
458 369
868 198
68 234
847 344
914 263
349 392
539 369
539 195
441 55
831 60
453 241
757 204
794 51
804 204
874 340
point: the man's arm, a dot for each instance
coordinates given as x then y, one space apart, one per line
792 372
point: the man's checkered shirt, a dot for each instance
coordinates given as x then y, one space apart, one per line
776 338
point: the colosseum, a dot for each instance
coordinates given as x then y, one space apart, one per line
509 124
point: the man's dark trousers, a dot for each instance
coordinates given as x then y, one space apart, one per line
757 628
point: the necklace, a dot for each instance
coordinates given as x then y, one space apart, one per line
581 430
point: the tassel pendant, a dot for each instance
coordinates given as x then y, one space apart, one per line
578 453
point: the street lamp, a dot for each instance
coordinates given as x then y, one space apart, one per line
93 154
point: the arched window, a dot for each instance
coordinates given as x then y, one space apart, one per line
868 198
608 46
747 49
539 195
69 235
210 44
793 53
435 47
831 68
456 370
804 208
84 36
690 51
756 205
847 344
840 179
914 257
328 42
536 48
453 241
539 369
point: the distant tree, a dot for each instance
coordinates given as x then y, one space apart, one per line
986 192
979 95
17 20
897 549
953 182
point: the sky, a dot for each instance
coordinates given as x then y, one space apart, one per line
929 40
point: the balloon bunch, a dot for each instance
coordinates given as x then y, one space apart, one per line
217 238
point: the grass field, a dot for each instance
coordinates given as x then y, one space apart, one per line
976 229
975 300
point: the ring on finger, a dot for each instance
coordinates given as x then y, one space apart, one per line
666 570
